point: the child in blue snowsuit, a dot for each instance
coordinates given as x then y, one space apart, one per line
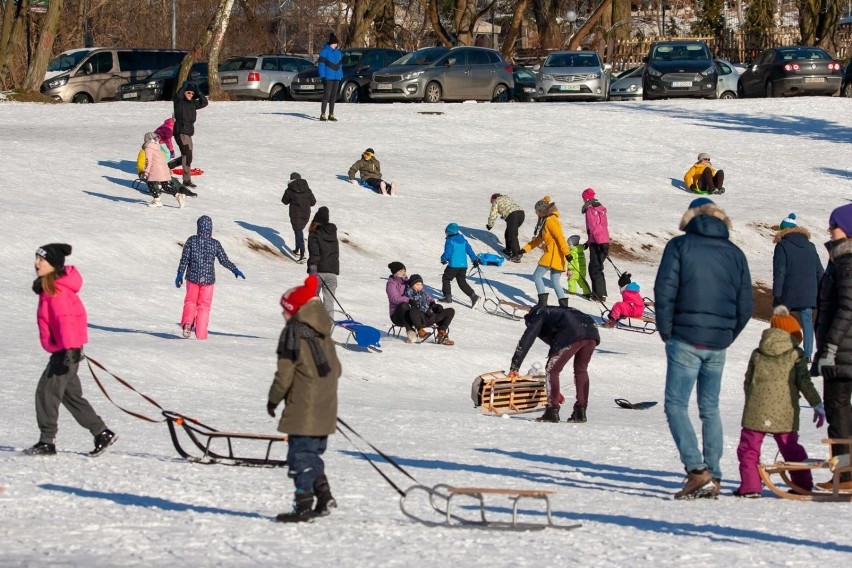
456 251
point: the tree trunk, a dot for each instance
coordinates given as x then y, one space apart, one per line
441 32
621 13
508 48
216 91
590 24
44 47
549 33
364 13
818 22
13 16
386 27
200 44
465 21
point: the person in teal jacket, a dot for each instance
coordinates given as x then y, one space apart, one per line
577 267
456 252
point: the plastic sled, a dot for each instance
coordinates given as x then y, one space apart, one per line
637 406
489 259
498 394
364 336
836 464
192 171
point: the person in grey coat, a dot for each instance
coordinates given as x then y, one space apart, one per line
300 198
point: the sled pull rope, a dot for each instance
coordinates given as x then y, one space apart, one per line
90 362
336 301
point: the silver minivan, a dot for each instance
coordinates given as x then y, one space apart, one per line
435 74
95 74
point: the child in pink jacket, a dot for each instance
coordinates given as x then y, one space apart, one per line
62 331
632 305
165 133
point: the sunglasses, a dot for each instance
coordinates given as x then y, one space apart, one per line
705 159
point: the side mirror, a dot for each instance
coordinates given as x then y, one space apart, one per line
536 67
607 67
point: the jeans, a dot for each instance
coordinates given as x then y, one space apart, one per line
555 280
806 319
686 365
303 460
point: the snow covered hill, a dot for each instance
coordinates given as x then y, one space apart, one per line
65 175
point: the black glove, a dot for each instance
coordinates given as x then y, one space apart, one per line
476 263
437 308
270 408
569 258
489 227
624 279
585 246
413 303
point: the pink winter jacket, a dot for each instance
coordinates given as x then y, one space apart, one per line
165 133
632 305
156 167
597 226
62 318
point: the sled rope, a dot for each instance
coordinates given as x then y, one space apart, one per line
336 301
90 362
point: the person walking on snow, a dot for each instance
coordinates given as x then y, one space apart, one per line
300 198
597 230
505 207
330 72
370 171
549 237
570 333
198 264
456 252
324 256
187 101
306 380
698 323
577 267
62 329
702 178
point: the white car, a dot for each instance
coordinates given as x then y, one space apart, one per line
629 86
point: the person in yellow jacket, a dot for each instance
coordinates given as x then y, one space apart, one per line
702 178
549 237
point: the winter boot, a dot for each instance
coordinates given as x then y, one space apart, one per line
563 302
181 198
103 441
187 330
698 482
448 299
473 301
323 117
542 299
578 416
41 449
189 183
443 337
550 415
423 333
325 501
156 202
410 336
303 509
331 118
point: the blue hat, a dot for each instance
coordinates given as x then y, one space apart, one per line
633 286
789 222
701 201
452 229
841 218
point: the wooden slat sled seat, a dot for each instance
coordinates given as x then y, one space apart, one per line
495 393
837 464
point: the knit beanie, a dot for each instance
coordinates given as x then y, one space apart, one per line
321 216
781 319
701 201
703 156
494 197
414 279
542 204
452 229
842 219
574 240
294 298
789 222
295 175
588 194
633 287
150 136
396 266
54 253
332 39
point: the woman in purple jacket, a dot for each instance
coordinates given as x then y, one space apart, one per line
398 301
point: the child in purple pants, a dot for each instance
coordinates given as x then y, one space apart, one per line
777 373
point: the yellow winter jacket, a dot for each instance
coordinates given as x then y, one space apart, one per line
691 177
140 161
552 241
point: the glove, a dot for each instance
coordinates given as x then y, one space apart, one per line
476 263
825 362
569 258
443 262
624 279
172 154
513 374
413 303
143 176
270 408
353 182
238 274
570 274
179 280
489 227
312 269
585 246
437 308
819 415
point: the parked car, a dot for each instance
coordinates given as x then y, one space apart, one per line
795 70
846 88
261 76
577 75
629 85
160 85
358 67
435 74
679 69
524 78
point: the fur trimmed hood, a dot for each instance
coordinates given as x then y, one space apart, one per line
784 232
710 209
839 248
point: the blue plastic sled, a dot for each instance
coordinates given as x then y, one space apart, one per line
488 259
364 335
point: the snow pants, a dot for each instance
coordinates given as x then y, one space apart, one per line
196 307
708 181
328 286
184 142
598 253
749 454
304 462
513 222
582 352
626 310
424 319
460 276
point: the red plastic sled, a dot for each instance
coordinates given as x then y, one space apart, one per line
193 171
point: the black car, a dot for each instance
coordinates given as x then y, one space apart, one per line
793 70
358 67
679 69
160 85
524 90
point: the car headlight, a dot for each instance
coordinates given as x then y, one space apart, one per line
57 82
709 71
152 84
594 76
632 88
412 75
547 77
653 72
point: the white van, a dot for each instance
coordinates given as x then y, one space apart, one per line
94 74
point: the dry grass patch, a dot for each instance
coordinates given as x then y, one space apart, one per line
263 249
762 294
28 97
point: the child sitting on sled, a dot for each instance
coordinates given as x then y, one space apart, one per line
426 312
777 373
577 267
632 305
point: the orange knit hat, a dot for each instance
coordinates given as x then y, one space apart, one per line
781 319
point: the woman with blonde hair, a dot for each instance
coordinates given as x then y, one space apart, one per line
550 238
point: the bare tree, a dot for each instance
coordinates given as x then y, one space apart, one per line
10 35
590 24
508 48
545 13
224 17
44 47
818 22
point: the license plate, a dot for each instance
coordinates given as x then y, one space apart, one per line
130 95
681 83
814 79
229 80
384 86
307 87
569 87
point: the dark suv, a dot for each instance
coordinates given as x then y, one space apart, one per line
679 69
358 67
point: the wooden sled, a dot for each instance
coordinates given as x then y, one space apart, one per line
837 464
203 437
441 500
497 394
364 336
505 308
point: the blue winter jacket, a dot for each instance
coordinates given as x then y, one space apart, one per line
200 252
796 270
456 251
703 293
329 66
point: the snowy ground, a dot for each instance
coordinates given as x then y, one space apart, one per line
65 174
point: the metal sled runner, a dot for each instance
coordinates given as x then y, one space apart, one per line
836 464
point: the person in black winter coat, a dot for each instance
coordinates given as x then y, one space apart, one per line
324 256
834 334
300 198
570 333
796 272
186 102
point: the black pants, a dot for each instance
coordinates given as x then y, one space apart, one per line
513 221
401 316
597 256
329 94
184 142
460 276
708 182
837 396
424 319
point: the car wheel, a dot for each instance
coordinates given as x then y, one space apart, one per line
847 90
81 98
277 93
770 90
728 95
501 94
351 93
432 94
741 94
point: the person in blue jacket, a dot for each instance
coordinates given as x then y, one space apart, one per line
456 252
703 299
331 73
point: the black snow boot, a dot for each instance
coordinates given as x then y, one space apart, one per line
579 415
41 449
303 509
563 302
325 501
550 415
542 299
103 441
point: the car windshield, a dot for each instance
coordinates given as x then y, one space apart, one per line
351 58
422 56
572 60
166 73
799 53
67 61
687 52
239 64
